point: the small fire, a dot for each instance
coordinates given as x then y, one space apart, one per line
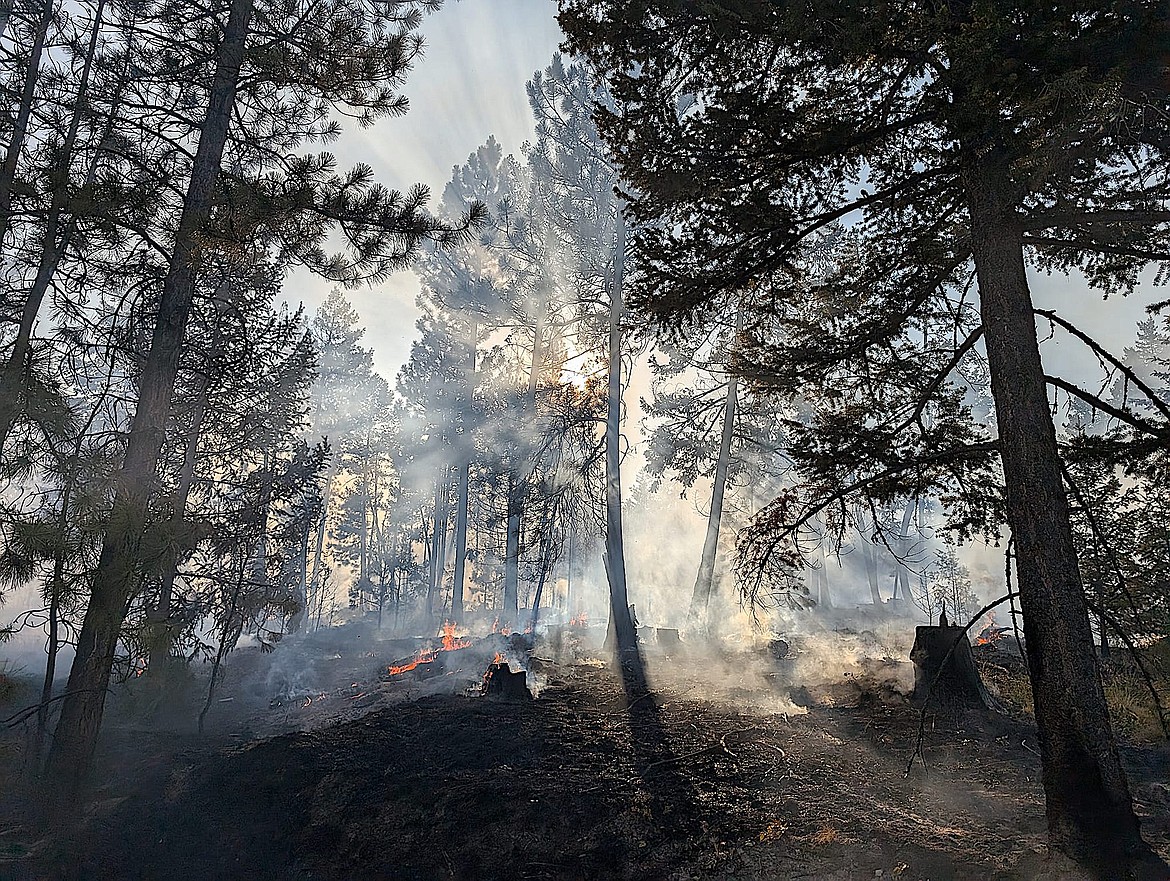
990 634
498 660
424 656
496 628
450 640
139 667
579 620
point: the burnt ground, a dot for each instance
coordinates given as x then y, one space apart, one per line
580 783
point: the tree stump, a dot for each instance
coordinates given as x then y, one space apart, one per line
669 641
958 685
500 682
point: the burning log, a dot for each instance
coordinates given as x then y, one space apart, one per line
500 682
942 675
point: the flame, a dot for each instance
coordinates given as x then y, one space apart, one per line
487 674
424 656
450 640
990 633
579 620
496 628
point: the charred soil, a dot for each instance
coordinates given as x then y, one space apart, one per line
582 783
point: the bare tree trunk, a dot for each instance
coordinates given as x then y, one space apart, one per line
54 645
615 557
226 643
466 448
439 539
518 485
1090 811
902 574
512 554
701 596
315 584
115 580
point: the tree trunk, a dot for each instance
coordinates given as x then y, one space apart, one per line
1089 808
161 640
438 539
512 555
466 449
824 596
115 580
704 582
869 557
518 485
902 573
315 584
615 557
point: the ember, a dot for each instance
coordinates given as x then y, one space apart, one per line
991 634
424 656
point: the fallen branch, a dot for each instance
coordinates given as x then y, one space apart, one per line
23 714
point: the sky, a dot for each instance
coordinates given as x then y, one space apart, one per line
469 85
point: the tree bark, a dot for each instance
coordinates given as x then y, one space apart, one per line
518 483
465 451
701 596
439 539
902 572
161 640
615 569
869 557
512 555
315 584
116 578
1089 808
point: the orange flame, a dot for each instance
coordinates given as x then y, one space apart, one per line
450 640
990 633
579 620
497 660
424 656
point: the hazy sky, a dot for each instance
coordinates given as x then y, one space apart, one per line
470 84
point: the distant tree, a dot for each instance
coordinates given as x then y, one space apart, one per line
576 181
947 589
707 424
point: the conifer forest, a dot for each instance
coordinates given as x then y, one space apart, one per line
556 440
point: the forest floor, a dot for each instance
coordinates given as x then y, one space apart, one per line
699 779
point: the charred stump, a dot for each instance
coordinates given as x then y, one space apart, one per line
947 677
669 641
500 682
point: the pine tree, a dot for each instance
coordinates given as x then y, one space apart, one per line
962 141
356 54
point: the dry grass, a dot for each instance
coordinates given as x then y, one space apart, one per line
1131 707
